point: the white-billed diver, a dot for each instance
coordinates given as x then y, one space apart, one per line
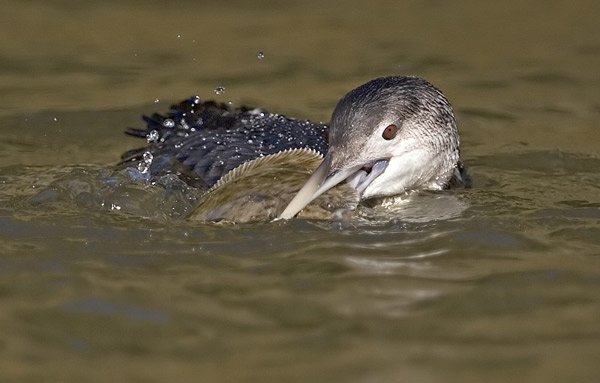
386 137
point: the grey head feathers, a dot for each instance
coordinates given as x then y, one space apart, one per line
419 151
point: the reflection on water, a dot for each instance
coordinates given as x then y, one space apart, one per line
102 307
102 279
488 284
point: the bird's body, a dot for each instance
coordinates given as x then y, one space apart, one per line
386 137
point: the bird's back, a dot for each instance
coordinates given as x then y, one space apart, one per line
210 139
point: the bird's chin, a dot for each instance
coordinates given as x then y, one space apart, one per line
404 173
362 178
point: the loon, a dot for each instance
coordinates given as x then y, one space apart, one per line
389 136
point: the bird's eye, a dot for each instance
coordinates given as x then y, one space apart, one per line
390 132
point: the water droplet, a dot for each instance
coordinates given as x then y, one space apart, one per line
144 165
229 102
55 119
156 100
168 123
153 136
260 55
178 36
219 90
147 157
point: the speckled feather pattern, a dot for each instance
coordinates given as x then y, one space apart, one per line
211 139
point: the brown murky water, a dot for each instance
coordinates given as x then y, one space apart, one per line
500 282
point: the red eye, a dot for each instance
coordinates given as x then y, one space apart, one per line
390 132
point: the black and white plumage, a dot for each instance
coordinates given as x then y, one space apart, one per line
211 139
386 137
